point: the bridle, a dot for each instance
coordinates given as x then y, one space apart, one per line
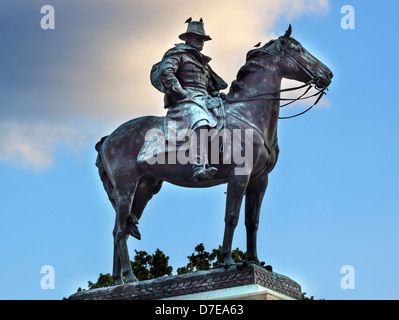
314 81
269 95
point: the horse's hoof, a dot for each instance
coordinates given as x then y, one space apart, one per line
134 231
129 277
268 268
254 261
227 263
132 227
132 280
118 282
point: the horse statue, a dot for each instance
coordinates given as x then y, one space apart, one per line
251 105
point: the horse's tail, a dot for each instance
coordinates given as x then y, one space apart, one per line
103 174
132 219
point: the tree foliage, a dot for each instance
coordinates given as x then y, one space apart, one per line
204 260
146 267
104 280
304 297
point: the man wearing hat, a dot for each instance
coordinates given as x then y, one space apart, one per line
191 90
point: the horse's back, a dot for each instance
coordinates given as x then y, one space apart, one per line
137 126
126 141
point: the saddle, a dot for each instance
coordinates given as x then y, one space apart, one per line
167 137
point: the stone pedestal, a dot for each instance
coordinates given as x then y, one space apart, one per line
241 282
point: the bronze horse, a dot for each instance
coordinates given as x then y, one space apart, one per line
253 103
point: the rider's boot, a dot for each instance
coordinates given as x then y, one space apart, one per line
202 170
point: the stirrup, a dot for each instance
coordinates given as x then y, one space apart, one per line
202 173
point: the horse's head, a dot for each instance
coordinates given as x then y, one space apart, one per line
280 58
296 63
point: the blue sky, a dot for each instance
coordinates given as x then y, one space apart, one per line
332 199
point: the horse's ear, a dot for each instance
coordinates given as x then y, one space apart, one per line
288 32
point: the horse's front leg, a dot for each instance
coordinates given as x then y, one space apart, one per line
253 200
235 191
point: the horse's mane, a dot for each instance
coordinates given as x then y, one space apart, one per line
254 62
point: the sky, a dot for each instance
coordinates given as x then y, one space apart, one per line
332 199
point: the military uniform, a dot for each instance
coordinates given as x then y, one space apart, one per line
189 83
191 87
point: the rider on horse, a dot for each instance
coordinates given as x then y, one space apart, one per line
191 90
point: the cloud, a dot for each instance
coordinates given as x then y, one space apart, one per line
32 146
95 65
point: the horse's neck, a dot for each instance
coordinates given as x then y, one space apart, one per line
261 113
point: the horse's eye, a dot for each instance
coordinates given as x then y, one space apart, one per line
297 48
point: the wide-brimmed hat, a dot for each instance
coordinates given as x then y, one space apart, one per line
195 28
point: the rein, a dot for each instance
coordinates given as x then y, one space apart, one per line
319 94
266 96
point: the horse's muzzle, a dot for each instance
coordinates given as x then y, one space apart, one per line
323 82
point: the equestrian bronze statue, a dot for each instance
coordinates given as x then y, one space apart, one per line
141 154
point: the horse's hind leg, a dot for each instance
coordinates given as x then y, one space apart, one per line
123 203
146 189
116 270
